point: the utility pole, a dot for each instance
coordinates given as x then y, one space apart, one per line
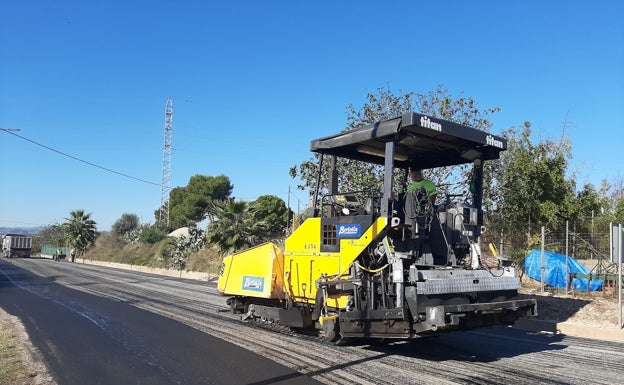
165 186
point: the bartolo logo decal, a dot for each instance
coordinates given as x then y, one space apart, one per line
349 230
253 283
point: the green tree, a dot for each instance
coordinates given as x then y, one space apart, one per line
234 226
272 211
619 211
611 208
588 203
151 234
189 205
385 105
613 192
128 223
530 189
51 235
80 230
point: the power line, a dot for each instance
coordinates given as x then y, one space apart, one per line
10 131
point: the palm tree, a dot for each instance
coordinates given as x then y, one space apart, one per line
234 227
80 230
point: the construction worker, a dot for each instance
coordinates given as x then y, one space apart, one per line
419 182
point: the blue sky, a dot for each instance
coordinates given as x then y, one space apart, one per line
253 82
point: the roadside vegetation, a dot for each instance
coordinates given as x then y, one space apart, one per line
19 361
530 187
234 225
110 248
12 368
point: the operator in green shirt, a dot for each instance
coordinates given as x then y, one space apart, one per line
418 181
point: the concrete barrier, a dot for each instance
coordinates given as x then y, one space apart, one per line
150 270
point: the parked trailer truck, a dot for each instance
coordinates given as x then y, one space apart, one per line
16 245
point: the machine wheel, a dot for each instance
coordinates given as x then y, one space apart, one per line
237 305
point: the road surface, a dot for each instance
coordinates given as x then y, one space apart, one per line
90 339
484 356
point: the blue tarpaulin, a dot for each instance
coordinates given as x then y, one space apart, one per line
555 270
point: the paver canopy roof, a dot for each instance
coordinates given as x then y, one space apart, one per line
420 141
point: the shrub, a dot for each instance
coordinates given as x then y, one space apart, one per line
151 235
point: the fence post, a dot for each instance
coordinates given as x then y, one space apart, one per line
567 269
619 253
543 260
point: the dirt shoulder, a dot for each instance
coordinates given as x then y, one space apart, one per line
599 309
20 362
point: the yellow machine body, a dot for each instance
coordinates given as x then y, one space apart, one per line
267 272
256 272
304 263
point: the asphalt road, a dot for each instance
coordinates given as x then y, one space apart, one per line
95 323
86 339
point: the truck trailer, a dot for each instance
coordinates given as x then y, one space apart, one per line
16 245
384 262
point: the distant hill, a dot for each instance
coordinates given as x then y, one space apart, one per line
21 230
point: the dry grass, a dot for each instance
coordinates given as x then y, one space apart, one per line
106 245
110 248
12 369
20 364
205 261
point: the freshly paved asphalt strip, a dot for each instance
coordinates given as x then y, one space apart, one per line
608 333
87 339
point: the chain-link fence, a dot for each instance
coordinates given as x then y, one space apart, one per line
579 245
593 250
590 248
